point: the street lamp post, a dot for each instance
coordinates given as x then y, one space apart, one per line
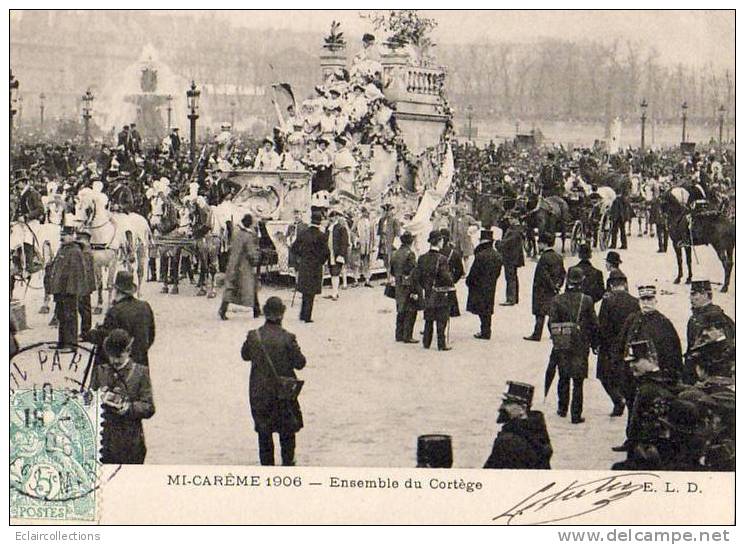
87 99
469 115
42 98
169 109
13 92
684 108
644 119
721 123
232 114
192 102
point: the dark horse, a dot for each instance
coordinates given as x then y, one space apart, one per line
548 215
710 228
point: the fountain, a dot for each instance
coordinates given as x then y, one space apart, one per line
149 103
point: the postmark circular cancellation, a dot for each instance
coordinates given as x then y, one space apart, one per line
55 434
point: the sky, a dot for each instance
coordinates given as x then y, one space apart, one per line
688 37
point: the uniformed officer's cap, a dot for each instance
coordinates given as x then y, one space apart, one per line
519 392
701 286
434 450
647 292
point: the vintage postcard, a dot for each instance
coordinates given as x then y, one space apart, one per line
372 267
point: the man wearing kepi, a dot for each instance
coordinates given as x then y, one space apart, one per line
574 329
482 282
523 441
547 281
312 251
403 267
433 276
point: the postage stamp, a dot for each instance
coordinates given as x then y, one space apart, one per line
54 452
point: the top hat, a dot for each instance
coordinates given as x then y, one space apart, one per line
274 308
316 217
575 276
434 237
647 292
701 286
407 238
117 342
547 238
584 251
125 282
486 234
434 450
519 392
613 258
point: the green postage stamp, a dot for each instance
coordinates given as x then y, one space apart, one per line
54 454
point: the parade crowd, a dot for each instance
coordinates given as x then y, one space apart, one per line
679 404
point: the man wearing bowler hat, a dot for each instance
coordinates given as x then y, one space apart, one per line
130 314
523 441
482 282
613 263
84 299
433 277
547 281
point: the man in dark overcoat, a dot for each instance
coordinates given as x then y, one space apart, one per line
457 270
573 306
84 300
523 442
616 307
30 206
705 315
67 282
513 258
482 282
130 314
312 251
403 268
547 281
175 143
240 276
273 351
593 284
127 400
434 280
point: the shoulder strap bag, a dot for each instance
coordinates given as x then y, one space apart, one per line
287 388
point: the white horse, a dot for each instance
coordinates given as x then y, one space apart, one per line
27 240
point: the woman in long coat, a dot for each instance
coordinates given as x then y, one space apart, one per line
271 414
240 279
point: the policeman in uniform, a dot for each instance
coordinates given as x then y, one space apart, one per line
403 267
457 271
434 280
523 442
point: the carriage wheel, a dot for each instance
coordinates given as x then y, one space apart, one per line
578 236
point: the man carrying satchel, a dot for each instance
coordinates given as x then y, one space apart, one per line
574 330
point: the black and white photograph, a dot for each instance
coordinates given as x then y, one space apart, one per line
395 238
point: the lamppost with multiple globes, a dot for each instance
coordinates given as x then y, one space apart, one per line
721 110
192 102
644 106
169 109
87 99
42 98
13 94
684 108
